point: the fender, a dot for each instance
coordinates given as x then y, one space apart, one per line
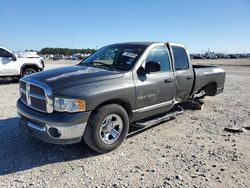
33 65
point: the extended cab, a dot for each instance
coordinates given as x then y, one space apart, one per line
17 65
118 85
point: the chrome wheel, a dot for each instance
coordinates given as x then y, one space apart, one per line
107 129
111 128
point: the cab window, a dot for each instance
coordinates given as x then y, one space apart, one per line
180 58
4 53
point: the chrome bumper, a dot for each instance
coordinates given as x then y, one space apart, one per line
68 132
58 134
63 134
57 128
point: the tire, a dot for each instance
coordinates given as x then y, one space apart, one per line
15 80
107 128
199 105
28 71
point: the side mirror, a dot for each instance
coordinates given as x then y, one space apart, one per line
14 57
152 66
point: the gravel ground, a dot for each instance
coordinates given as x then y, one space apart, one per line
193 150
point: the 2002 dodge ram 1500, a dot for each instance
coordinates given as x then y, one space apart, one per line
117 85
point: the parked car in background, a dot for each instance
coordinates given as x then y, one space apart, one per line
232 56
18 65
242 56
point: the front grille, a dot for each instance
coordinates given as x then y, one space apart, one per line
39 104
36 90
36 95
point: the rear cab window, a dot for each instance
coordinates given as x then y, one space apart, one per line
180 58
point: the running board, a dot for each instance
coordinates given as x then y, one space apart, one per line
160 119
141 126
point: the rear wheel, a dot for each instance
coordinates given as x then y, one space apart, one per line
28 71
107 128
198 104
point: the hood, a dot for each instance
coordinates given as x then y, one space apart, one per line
65 77
28 55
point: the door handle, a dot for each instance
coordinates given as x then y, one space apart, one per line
189 77
168 80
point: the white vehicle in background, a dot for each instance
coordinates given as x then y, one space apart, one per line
18 65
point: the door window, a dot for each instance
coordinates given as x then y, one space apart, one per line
4 53
160 54
180 58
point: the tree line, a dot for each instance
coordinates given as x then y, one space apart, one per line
65 51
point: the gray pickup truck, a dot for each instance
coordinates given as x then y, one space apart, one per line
118 85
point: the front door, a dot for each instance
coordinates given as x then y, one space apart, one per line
155 91
7 65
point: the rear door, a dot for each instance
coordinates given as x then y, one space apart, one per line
155 91
183 71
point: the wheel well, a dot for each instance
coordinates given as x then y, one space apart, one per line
120 102
29 66
210 89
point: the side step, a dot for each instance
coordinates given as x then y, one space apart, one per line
145 124
160 119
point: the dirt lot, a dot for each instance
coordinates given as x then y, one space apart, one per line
192 150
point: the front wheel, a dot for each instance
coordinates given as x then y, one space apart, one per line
28 71
107 128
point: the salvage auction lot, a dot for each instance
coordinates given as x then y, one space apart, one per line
191 150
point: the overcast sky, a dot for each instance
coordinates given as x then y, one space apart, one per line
219 25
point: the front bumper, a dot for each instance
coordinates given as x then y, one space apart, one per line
57 127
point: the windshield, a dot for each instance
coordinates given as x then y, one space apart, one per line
115 57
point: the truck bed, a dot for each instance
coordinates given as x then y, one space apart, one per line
208 76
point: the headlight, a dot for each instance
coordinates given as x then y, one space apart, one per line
69 105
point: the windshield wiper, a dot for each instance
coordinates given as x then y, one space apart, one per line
110 67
